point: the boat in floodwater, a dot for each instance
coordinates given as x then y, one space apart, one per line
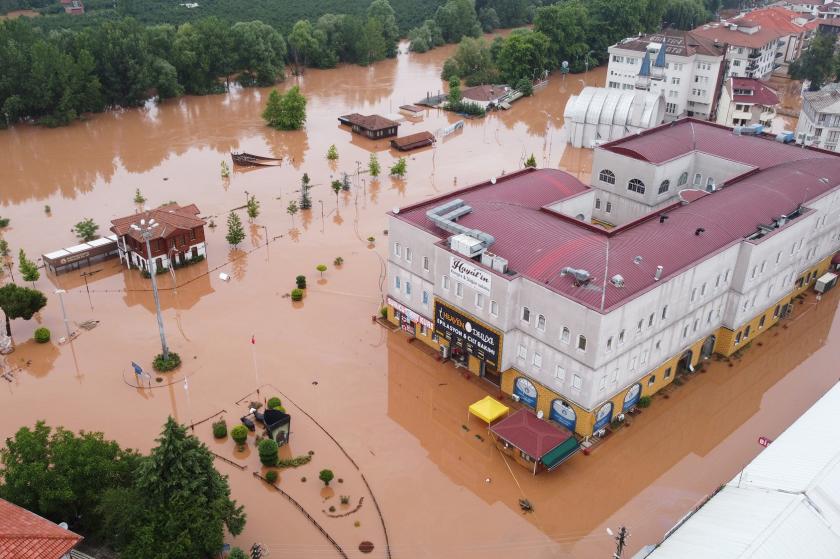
250 160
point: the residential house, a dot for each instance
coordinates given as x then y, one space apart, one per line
819 118
746 101
25 535
371 126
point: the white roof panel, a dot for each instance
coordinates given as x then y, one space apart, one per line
55 254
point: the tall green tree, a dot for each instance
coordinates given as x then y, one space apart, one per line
473 62
260 52
235 232
456 19
524 54
818 63
86 229
684 14
381 11
28 269
19 302
302 44
285 111
566 27
178 505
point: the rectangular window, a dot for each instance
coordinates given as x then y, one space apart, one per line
639 325
763 266
621 338
609 343
703 290
761 322
444 282
577 382
644 357
664 312
668 372
397 249
747 332
426 263
423 330
540 322
192 234
426 298
726 276
652 380
494 308
776 311
559 373
459 289
737 338
675 81
633 363
602 384
717 281
526 314
581 344
698 179
709 318
650 320
597 203
408 288
565 336
522 353
696 324
609 207
693 294
685 331
754 272
397 283
479 300
537 360
407 254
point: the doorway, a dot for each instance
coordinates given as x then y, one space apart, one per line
490 373
708 347
684 364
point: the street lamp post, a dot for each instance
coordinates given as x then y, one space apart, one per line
60 293
146 231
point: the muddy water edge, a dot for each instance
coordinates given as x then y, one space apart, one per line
395 411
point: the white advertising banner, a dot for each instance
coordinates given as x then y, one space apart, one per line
475 277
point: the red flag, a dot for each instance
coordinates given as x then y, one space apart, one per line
253 341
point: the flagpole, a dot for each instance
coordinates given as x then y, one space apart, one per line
254 356
189 406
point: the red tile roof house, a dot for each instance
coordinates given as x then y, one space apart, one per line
179 237
746 101
714 235
372 126
25 535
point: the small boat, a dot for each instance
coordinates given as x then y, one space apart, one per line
250 160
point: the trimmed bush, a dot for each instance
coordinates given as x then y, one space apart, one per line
345 499
268 452
321 268
220 429
297 295
644 401
162 365
274 402
301 282
326 476
384 312
42 335
271 476
237 553
239 434
338 261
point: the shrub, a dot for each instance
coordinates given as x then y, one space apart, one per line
332 509
42 335
294 462
525 87
297 295
47 209
274 402
239 434
219 429
237 553
301 282
338 261
321 268
268 452
644 401
371 239
383 312
326 476
345 499
332 153
163 365
271 476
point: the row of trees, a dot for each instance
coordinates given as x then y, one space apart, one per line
172 501
819 64
53 78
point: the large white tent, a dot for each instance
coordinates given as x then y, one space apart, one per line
600 114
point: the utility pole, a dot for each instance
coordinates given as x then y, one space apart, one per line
620 540
146 231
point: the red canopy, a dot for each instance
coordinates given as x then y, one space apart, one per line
532 435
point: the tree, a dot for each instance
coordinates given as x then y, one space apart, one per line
531 162
321 268
239 434
332 153
336 186
302 43
61 475
178 504
253 207
399 168
525 87
267 450
456 19
286 111
237 553
373 165
28 269
473 62
4 248
20 302
454 91
86 230
292 209
305 199
138 197
260 51
817 64
383 13
489 19
326 476
523 54
684 14
566 26
235 233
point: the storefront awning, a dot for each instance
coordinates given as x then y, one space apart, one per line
535 437
560 453
488 409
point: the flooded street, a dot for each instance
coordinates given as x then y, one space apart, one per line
385 416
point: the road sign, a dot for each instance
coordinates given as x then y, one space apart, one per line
764 441
138 370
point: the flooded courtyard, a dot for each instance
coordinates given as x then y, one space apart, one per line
385 416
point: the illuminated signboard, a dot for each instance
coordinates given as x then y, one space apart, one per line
468 334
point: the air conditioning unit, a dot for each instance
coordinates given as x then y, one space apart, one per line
621 417
540 414
515 397
601 432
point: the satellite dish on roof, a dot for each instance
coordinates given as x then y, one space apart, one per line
492 180
637 260
396 210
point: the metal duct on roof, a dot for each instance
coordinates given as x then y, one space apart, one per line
444 216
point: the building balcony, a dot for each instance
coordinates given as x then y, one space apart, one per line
767 116
753 55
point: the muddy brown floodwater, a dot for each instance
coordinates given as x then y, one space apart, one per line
396 413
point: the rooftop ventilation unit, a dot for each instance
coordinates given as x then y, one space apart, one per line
494 261
617 280
581 276
657 275
466 241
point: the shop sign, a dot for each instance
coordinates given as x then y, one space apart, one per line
475 277
467 334
564 414
74 258
526 391
632 397
410 315
603 417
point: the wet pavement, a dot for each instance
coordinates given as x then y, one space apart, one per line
397 413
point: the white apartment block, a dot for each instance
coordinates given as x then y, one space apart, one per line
515 280
819 118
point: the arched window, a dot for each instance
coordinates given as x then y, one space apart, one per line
581 344
607 176
665 186
683 179
636 186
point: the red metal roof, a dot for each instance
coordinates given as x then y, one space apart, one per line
171 217
762 94
25 535
528 433
368 122
538 242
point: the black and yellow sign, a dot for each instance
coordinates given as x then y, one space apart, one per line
467 333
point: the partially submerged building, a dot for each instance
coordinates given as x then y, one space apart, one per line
83 254
413 141
178 239
486 95
600 114
371 126
715 235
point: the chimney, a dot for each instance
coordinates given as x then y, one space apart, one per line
658 274
699 230
662 218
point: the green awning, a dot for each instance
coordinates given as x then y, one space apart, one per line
559 453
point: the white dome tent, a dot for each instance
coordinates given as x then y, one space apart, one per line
600 114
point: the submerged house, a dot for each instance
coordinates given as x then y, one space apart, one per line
372 126
278 425
413 141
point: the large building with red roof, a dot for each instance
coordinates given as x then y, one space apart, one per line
579 300
747 101
25 535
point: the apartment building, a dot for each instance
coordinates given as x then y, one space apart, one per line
819 118
514 280
746 101
678 65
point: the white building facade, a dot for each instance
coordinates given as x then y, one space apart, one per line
599 114
819 118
